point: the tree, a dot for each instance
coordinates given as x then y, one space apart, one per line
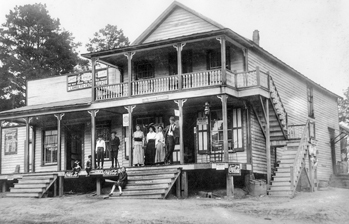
107 38
343 107
32 46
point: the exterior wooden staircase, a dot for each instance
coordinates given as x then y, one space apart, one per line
149 182
340 181
33 185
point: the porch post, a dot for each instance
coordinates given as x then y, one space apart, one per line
93 91
93 114
230 184
267 140
33 150
184 182
1 148
179 48
4 186
129 56
61 186
181 142
130 110
223 60
27 143
224 99
59 147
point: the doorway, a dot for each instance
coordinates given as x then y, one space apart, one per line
333 149
74 145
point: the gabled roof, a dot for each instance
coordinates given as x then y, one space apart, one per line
210 24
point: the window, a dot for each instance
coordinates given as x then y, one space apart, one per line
11 141
187 64
214 59
237 137
50 146
103 128
144 70
217 131
202 133
310 100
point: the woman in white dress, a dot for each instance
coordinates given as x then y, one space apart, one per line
138 143
160 146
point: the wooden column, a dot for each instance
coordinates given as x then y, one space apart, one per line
55 188
129 56
184 184
179 48
181 142
61 186
223 60
267 140
130 110
178 186
27 144
59 145
98 186
2 149
93 91
33 149
93 114
4 186
224 99
230 185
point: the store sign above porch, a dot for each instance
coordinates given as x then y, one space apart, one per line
84 80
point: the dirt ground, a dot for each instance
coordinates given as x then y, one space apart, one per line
329 206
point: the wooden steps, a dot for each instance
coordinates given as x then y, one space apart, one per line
148 182
32 185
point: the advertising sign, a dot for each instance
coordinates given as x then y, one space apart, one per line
84 80
234 169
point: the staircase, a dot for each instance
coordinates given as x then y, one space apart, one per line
32 185
149 182
281 183
340 181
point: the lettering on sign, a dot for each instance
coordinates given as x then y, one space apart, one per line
202 121
220 166
235 169
156 98
84 80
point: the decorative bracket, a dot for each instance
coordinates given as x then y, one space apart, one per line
181 47
221 98
59 116
26 120
132 107
183 101
219 39
129 55
93 113
1 122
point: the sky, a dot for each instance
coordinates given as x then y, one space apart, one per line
311 36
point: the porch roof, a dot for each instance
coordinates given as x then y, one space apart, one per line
60 106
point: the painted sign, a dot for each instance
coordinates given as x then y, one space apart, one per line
84 80
113 172
125 120
11 141
220 166
235 169
156 98
202 121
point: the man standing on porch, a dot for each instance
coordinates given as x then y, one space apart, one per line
114 149
171 133
100 149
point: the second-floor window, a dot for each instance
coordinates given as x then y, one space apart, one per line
144 70
214 59
310 101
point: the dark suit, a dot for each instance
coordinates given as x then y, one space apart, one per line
170 141
114 149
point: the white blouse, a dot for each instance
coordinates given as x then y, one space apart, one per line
159 138
151 135
100 143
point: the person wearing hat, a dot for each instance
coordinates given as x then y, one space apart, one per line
100 149
114 149
171 133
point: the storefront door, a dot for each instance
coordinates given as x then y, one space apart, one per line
74 142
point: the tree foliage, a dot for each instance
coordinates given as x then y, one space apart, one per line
107 38
32 46
343 107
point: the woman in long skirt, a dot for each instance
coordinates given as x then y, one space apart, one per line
138 143
150 150
160 146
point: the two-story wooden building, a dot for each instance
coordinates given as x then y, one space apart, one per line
236 105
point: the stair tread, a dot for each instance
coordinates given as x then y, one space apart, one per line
22 195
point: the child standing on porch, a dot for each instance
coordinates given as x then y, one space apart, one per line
100 149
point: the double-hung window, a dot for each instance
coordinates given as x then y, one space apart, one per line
50 146
310 101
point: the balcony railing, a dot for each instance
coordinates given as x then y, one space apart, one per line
191 80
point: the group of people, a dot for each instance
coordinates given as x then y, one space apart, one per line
114 144
157 146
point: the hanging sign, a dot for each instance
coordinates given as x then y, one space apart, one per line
176 112
125 120
84 80
202 121
234 169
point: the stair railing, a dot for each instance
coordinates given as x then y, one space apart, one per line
55 177
173 182
299 161
277 105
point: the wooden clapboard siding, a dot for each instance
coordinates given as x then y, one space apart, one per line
236 60
9 162
87 143
44 91
39 152
259 159
326 116
178 23
293 92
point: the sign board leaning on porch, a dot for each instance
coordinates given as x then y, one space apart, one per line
234 169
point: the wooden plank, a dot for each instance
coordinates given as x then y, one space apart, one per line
181 137
179 65
223 60
55 189
184 181
98 186
61 186
26 146
93 138
225 127
230 185
178 187
267 141
130 159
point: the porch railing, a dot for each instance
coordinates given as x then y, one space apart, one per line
111 91
250 79
164 84
201 79
299 161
